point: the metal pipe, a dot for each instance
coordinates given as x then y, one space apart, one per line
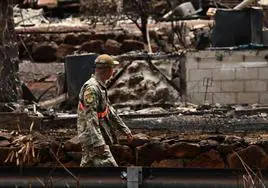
58 177
113 177
243 4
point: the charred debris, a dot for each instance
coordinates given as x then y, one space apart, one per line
148 89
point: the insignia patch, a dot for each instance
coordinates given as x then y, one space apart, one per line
88 96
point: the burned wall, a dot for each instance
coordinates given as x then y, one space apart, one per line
142 85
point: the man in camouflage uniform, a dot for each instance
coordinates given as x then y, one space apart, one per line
97 120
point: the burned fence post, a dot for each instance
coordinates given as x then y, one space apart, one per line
9 80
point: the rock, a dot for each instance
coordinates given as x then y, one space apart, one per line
39 38
103 36
93 46
150 95
155 139
120 37
71 39
252 156
131 45
232 139
122 154
263 144
112 47
251 141
219 138
264 162
139 139
168 163
57 38
229 148
184 150
134 67
63 50
150 152
123 94
84 37
207 145
44 52
72 145
142 88
210 159
135 79
120 83
162 94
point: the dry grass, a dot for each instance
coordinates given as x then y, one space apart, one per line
251 179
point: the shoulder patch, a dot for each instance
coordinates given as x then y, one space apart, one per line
89 95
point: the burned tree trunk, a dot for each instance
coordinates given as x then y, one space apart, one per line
9 81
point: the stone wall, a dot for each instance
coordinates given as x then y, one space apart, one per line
154 149
104 39
227 77
57 46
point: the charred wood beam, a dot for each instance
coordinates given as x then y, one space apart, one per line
173 122
53 102
166 122
251 111
52 29
9 80
145 56
136 106
27 94
118 75
153 67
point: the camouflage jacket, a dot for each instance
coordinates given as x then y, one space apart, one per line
94 131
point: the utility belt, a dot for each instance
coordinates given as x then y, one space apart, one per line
101 115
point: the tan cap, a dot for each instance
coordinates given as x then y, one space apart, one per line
105 59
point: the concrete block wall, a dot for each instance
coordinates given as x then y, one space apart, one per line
227 77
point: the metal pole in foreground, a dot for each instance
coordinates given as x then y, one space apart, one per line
134 177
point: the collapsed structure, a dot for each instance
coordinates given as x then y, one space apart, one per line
197 106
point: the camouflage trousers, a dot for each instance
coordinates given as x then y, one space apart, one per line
92 159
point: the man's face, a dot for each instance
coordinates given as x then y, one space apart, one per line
105 72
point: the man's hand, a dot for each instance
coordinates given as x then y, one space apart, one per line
129 138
